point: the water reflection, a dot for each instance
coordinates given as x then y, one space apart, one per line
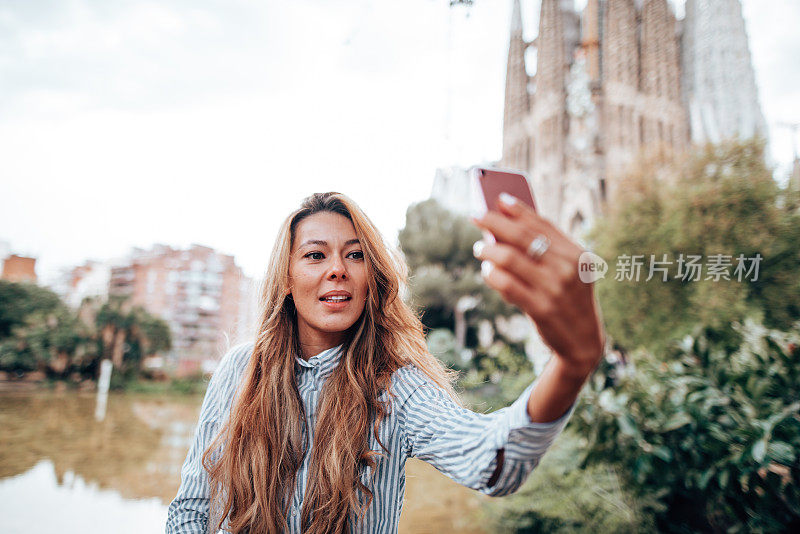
63 471
38 502
137 449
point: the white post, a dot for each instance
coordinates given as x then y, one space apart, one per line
102 389
464 304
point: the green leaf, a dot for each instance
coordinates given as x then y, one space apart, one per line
723 479
663 453
627 426
705 478
782 452
759 450
676 421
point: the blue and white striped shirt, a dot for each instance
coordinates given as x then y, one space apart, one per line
424 423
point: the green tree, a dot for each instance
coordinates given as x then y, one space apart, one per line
20 300
444 275
718 200
37 331
127 334
437 244
45 341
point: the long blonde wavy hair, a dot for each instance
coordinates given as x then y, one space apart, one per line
253 460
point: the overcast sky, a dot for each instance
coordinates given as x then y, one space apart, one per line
128 123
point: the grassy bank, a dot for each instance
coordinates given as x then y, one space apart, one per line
190 386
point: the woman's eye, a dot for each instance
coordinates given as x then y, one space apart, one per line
356 254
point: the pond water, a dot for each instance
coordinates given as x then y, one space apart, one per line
63 471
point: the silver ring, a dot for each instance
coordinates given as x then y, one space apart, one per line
538 246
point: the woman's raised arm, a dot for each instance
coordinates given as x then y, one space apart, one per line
468 446
535 266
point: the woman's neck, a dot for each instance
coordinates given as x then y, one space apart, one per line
312 343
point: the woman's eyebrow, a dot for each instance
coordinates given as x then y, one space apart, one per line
322 243
315 242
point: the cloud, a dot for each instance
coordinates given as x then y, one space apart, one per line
81 54
132 123
127 123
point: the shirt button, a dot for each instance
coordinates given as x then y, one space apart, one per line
294 511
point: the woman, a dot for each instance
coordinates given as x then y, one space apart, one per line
308 428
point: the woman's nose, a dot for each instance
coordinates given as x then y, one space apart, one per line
337 269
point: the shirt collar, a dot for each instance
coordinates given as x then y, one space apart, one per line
325 360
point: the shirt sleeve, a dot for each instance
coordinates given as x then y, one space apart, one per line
188 513
464 444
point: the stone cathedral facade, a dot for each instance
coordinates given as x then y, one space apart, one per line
616 79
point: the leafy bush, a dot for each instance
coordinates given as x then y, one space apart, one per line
561 497
189 385
711 431
498 374
442 344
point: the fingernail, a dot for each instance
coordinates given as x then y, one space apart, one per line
507 199
477 248
486 267
476 212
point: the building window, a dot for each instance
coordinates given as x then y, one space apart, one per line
151 282
641 130
531 154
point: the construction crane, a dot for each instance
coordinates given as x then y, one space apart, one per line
794 177
794 127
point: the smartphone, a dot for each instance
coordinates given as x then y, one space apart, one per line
488 183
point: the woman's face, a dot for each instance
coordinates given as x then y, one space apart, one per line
328 279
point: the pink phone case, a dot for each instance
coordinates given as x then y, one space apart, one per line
488 183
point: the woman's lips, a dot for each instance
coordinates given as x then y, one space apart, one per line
337 304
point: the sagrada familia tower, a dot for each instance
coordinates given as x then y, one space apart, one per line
612 81
616 79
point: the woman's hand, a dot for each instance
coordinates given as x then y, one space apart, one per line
548 288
